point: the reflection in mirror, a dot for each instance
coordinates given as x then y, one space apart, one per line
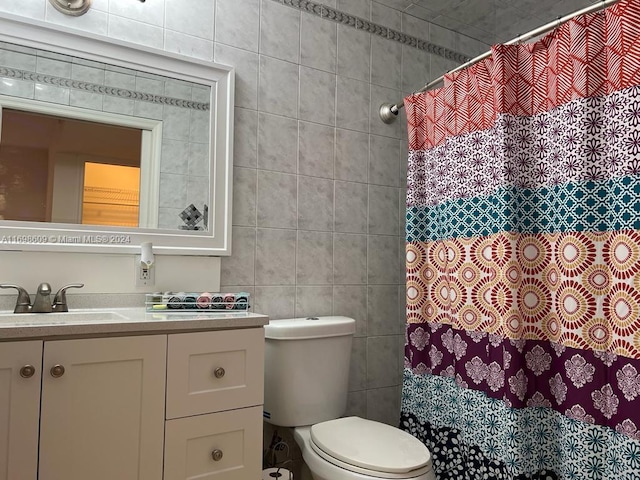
55 169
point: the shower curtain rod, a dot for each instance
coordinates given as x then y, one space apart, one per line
389 112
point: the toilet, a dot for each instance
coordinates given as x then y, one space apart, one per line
306 384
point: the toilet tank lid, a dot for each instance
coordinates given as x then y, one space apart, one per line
309 327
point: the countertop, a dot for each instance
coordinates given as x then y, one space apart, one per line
119 321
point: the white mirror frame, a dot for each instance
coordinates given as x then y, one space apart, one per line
35 236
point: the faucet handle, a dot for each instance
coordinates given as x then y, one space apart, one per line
23 303
60 300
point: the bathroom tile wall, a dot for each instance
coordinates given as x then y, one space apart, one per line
319 179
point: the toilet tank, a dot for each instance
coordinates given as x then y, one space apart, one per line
306 369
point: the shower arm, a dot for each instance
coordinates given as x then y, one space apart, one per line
389 111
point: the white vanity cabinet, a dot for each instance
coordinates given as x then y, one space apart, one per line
173 406
20 374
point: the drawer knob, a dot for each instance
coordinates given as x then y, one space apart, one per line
219 372
27 371
57 371
216 455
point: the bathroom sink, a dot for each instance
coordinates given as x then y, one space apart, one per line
78 316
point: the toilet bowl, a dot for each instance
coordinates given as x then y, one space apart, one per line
306 385
353 448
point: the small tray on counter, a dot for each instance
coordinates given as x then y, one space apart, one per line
196 302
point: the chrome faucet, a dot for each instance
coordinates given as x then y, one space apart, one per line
42 303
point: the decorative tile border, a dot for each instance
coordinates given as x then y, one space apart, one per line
101 89
343 18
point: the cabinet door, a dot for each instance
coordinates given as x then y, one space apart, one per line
214 371
103 417
19 409
218 446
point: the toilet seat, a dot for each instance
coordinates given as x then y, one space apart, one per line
370 448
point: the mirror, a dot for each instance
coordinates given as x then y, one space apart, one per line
105 145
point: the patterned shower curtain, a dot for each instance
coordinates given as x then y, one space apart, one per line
523 259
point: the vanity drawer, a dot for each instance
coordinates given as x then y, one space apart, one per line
214 371
218 446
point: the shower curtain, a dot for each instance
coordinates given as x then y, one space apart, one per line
522 355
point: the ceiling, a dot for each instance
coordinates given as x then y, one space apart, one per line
489 21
